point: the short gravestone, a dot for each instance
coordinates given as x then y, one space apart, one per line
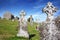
31 20
38 24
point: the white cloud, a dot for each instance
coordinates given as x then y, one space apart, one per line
40 17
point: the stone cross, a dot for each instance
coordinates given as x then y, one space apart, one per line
50 30
49 10
23 32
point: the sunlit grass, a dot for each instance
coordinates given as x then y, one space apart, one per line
8 31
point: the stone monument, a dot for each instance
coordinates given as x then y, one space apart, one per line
23 32
31 20
51 31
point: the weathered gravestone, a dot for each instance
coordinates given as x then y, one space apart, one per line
50 30
23 32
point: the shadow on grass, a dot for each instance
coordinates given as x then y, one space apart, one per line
17 38
31 35
21 38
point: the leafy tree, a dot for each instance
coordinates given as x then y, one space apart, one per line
0 17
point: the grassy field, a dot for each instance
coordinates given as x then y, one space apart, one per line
8 31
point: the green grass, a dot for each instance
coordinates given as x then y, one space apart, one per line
8 31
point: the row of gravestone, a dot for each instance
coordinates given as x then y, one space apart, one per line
10 16
49 10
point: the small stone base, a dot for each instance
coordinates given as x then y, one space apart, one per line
23 33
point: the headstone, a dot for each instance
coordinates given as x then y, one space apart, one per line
31 20
38 24
50 31
23 32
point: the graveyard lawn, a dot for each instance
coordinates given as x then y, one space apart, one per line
9 30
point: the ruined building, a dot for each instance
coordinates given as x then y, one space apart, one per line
8 16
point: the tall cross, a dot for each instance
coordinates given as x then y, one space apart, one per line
49 9
22 15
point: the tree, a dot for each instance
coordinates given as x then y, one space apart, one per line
17 18
0 17
28 19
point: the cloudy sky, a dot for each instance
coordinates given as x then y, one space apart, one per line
31 7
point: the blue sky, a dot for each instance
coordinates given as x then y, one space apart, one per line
31 7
